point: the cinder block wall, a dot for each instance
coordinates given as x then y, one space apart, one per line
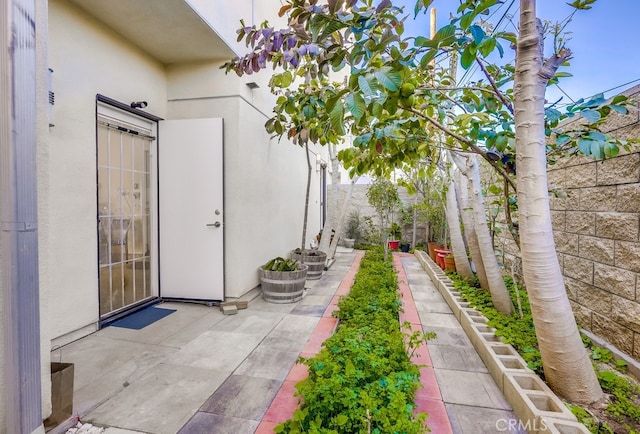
596 230
360 203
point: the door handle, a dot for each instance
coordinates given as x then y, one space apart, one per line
216 224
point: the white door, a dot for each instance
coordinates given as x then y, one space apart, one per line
190 209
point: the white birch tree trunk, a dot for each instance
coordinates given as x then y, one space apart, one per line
470 230
415 222
340 222
566 364
330 224
457 243
499 293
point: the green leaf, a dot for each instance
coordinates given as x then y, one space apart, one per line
332 27
356 105
562 139
366 86
499 47
477 33
618 99
428 57
376 109
585 146
619 109
466 20
597 135
607 375
610 150
508 36
563 74
445 36
495 190
597 149
336 116
286 79
595 101
421 41
487 46
390 79
582 4
467 57
341 419
591 115
501 142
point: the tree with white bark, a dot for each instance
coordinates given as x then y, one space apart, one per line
394 99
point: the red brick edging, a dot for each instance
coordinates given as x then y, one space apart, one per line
428 398
285 403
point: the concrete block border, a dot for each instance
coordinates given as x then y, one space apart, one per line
537 407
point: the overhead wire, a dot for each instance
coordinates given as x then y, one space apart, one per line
471 71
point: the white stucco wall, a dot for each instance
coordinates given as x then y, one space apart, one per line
264 179
225 17
87 59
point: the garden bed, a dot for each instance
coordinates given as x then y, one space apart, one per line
620 414
363 379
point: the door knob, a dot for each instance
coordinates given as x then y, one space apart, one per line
216 224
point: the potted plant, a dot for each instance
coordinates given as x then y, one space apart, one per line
314 259
282 280
449 263
353 230
383 196
395 234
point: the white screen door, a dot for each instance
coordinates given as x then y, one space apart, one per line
190 209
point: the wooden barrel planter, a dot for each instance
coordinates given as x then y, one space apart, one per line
314 259
283 286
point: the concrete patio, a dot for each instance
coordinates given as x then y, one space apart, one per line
199 371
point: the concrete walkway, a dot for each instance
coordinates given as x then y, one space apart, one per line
198 371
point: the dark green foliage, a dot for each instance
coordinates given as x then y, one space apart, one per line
362 381
515 331
281 264
622 407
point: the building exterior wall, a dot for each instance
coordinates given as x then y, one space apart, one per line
87 59
264 179
264 208
596 230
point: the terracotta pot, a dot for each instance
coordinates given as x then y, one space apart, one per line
431 246
449 263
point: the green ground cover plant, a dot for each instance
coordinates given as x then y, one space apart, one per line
620 415
363 380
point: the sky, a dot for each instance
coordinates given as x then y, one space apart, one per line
604 42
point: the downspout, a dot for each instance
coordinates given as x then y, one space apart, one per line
18 218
